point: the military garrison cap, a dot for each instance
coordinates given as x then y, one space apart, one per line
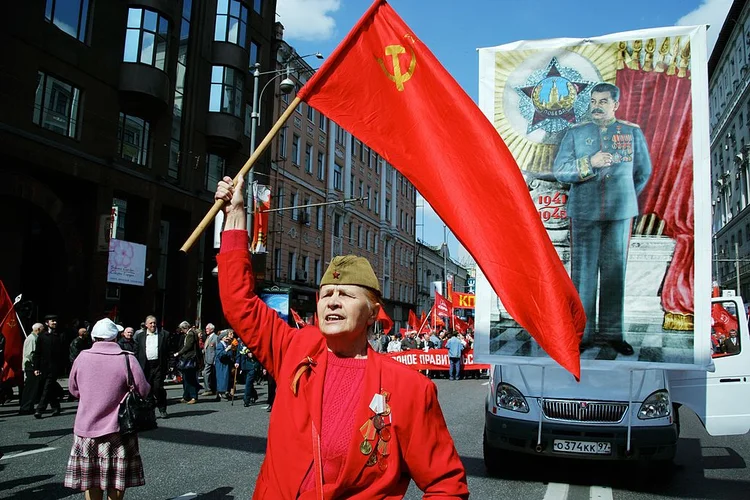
351 270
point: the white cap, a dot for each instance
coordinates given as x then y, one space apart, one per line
105 329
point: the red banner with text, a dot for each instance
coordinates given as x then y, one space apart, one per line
436 359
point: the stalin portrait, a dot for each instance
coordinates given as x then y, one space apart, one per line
607 164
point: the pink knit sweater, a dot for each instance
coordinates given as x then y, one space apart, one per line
99 378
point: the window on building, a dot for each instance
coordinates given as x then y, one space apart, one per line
367 240
133 139
376 200
337 177
359 236
375 243
317 271
369 198
308 158
291 269
320 213
282 142
215 170
351 233
337 225
340 135
295 149
322 122
255 55
120 211
308 211
70 16
321 165
387 208
277 263
311 114
747 232
146 38
231 22
56 105
361 190
293 205
258 6
361 151
226 91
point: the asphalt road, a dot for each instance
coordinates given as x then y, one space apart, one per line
214 450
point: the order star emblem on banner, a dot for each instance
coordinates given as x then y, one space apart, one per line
554 98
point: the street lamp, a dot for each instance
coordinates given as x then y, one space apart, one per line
286 86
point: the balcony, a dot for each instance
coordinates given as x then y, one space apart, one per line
224 131
144 89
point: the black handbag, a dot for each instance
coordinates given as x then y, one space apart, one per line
136 413
186 364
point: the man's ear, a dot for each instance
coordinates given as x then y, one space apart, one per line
373 315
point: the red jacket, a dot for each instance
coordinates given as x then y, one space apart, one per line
421 448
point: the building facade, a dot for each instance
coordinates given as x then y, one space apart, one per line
729 104
333 195
432 265
126 114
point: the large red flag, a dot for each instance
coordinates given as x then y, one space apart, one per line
442 306
385 320
413 323
722 320
11 330
384 86
460 325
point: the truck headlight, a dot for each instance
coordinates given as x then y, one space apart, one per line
510 398
657 405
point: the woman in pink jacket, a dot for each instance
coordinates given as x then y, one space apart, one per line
102 461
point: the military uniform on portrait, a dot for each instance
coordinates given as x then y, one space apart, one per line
601 205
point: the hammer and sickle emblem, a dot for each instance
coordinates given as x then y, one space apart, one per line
398 77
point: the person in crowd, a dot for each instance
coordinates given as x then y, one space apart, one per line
224 362
333 387
126 340
434 340
410 342
732 344
31 387
49 365
188 363
79 344
455 348
246 364
395 344
103 461
152 351
375 343
209 360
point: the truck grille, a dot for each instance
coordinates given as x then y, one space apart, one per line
583 411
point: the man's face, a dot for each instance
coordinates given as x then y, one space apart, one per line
128 333
343 310
81 332
603 106
209 329
51 324
151 325
733 334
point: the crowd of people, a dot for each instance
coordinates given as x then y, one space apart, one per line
163 357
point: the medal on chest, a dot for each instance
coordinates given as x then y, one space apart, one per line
376 432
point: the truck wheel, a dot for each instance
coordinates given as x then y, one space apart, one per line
493 458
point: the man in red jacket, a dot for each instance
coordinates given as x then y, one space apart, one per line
347 422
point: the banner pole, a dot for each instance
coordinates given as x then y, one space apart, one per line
209 217
425 320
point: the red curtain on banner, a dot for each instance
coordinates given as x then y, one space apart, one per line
661 105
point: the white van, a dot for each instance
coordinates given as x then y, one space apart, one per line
617 414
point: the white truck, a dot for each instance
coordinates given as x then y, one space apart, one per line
617 414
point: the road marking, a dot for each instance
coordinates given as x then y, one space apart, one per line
600 493
486 383
556 491
186 496
30 452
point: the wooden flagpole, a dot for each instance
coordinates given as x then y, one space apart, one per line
425 319
243 171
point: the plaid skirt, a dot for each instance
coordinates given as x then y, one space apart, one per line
106 462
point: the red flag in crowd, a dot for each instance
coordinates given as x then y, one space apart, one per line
384 86
442 306
413 324
298 319
261 205
422 317
722 320
11 330
384 319
460 325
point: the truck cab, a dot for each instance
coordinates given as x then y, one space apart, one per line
620 413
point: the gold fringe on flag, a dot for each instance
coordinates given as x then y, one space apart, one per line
678 321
